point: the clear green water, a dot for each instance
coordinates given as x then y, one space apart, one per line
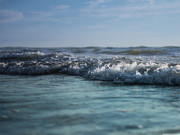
69 105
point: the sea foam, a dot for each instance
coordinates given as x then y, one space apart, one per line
116 69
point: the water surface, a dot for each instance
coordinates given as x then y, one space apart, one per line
66 105
92 90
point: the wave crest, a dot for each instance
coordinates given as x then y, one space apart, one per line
121 70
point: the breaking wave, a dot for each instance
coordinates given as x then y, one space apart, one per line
116 69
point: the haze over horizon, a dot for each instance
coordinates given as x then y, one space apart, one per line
81 23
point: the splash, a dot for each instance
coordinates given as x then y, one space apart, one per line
116 69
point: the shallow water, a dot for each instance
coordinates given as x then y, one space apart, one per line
71 105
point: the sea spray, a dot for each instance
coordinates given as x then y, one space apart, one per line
121 69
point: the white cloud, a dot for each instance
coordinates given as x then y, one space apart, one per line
135 9
49 16
95 3
142 1
43 16
7 16
63 7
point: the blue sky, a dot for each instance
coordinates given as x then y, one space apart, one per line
80 23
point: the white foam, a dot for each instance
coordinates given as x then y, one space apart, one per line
148 73
123 70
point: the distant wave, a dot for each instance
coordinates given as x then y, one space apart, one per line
116 51
137 52
117 69
134 51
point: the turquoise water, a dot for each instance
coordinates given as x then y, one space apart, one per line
58 104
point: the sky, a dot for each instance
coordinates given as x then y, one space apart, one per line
81 23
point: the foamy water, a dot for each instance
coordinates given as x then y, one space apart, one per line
140 65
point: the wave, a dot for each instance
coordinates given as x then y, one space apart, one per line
136 52
118 69
141 50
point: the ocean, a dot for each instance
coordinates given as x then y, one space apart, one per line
90 90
